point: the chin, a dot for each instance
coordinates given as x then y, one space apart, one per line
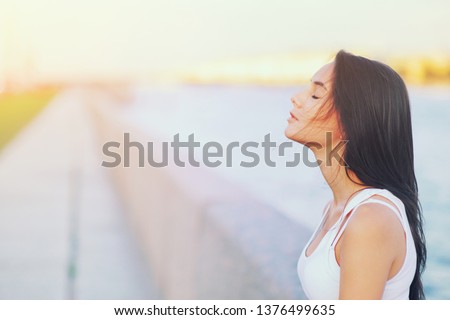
290 134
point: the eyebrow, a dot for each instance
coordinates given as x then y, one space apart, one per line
319 83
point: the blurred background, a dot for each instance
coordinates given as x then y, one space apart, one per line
74 75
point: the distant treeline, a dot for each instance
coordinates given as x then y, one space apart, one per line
423 70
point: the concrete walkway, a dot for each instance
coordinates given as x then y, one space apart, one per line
63 232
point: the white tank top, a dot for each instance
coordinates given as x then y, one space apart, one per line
319 273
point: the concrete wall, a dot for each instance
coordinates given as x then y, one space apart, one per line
204 237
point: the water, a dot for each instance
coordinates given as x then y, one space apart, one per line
245 113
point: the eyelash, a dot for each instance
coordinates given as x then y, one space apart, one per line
315 97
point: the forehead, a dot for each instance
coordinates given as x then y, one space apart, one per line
324 74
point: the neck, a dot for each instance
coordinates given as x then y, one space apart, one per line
341 185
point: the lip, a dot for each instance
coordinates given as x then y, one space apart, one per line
292 115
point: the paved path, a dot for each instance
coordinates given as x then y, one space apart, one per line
63 233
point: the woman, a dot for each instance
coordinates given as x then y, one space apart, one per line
355 117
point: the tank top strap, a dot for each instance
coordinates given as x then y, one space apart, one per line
326 208
319 225
362 198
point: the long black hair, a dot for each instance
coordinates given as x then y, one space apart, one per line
372 104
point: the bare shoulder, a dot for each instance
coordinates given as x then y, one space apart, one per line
374 217
370 251
374 223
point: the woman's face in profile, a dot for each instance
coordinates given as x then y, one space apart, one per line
305 105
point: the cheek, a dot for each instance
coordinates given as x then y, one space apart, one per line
331 125
309 110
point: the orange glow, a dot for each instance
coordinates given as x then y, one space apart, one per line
112 41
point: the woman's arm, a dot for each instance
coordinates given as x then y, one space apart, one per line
369 246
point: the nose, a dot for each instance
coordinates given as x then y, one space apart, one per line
294 102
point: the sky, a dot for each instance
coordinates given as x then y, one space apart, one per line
89 39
